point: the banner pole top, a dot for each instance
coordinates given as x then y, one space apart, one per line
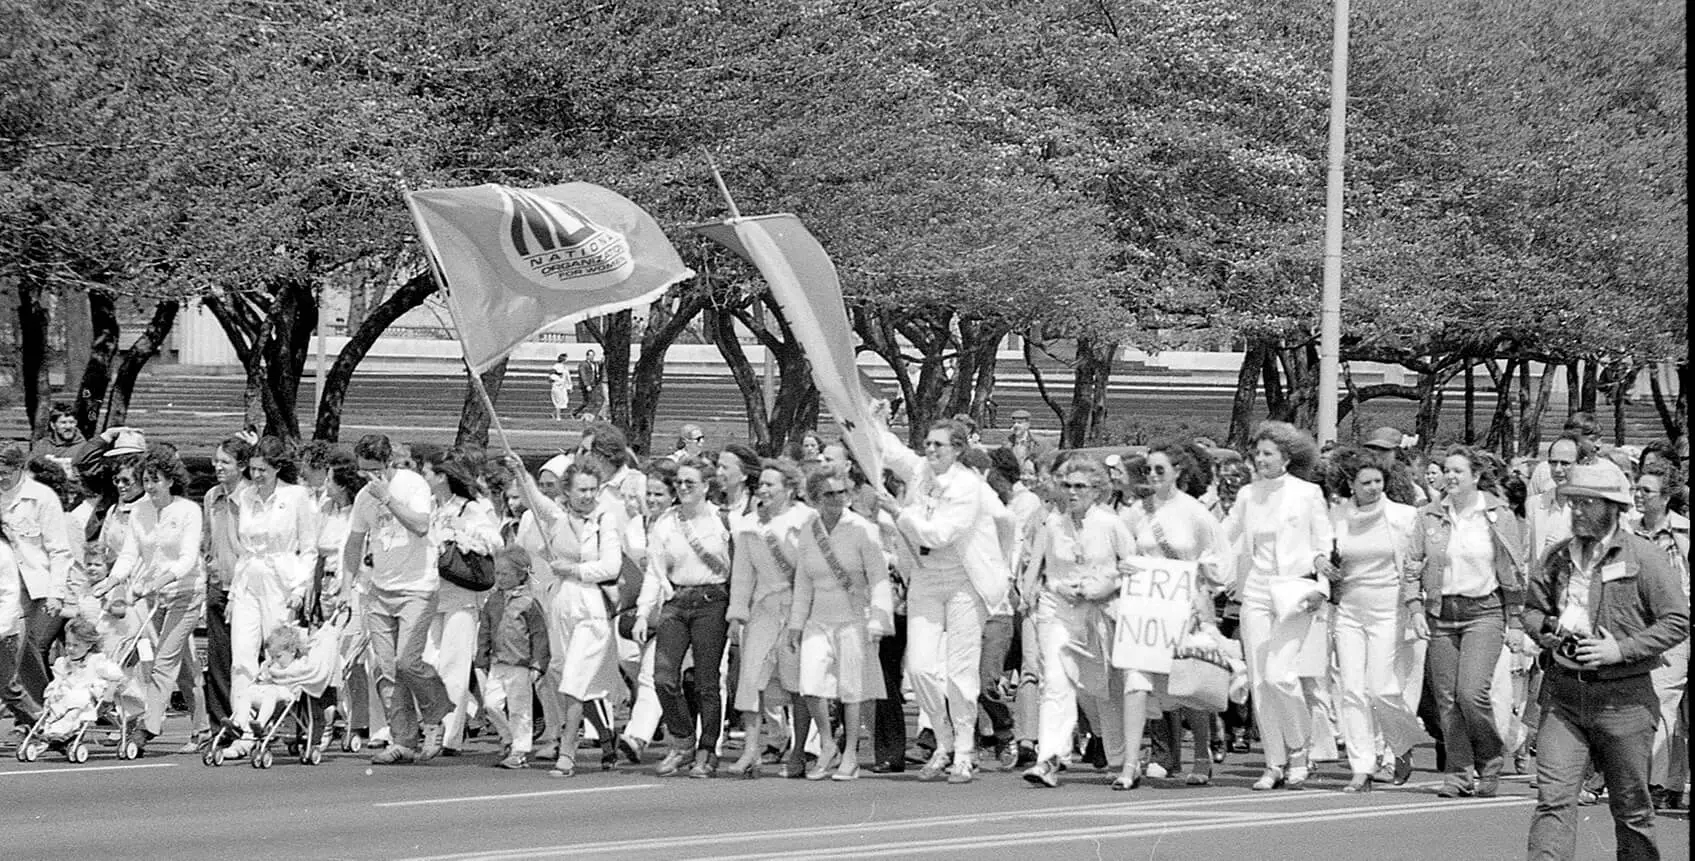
735 213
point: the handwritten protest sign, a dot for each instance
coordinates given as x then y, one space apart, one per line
1152 610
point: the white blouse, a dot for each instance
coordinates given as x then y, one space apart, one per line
161 549
277 539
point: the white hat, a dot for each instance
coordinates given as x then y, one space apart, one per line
556 465
128 442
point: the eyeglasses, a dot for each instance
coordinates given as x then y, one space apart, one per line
696 438
1077 485
1159 470
122 481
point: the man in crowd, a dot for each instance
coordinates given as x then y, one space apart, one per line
35 525
1605 605
62 438
391 521
690 440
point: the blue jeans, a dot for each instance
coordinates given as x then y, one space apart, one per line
692 619
1613 723
1465 643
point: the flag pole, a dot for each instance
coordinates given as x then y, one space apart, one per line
768 386
476 378
735 213
1330 311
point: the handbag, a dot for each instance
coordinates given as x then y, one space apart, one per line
470 571
1200 672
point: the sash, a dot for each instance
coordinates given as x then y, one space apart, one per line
719 566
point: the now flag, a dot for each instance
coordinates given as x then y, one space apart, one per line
804 284
515 261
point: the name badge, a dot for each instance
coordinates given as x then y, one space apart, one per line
1613 571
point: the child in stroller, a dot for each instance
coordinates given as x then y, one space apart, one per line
298 671
84 679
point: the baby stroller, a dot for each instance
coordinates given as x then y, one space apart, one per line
354 647
98 685
308 678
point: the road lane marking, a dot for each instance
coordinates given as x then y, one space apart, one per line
1048 838
510 795
82 769
1186 806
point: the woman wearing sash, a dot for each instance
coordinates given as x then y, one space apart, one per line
842 606
761 592
1172 523
684 598
583 549
1076 554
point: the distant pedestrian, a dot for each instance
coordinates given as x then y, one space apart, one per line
559 386
589 383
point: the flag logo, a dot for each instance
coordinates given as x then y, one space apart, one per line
559 248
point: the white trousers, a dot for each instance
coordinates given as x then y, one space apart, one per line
1075 672
253 614
1371 701
1670 766
1273 650
646 712
451 647
944 645
506 700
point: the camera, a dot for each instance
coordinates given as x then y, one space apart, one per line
1567 647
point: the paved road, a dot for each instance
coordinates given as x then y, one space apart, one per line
173 807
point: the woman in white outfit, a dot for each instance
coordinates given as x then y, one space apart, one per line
1077 553
1373 544
161 558
842 607
959 578
1280 532
646 712
581 544
277 548
761 593
460 514
1172 523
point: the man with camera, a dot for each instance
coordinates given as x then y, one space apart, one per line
1604 605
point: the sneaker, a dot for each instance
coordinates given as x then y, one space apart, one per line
195 744
238 748
1044 773
705 765
431 746
1454 786
673 761
1155 771
1006 755
380 738
937 764
964 768
394 754
514 761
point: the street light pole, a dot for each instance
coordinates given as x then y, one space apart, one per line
1330 313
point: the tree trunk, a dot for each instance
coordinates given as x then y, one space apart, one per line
878 333
1591 385
795 406
1300 366
974 373
97 372
1500 436
1530 431
665 325
730 347
359 343
1429 409
474 415
615 346
142 351
1470 436
272 336
1277 405
1247 386
1523 405
1671 414
1041 381
1088 393
33 321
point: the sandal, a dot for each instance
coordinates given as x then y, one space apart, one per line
1127 781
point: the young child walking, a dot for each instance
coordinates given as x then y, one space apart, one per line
512 651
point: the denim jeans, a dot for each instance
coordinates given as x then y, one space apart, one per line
889 731
693 618
218 655
1611 722
23 708
997 644
397 625
1465 644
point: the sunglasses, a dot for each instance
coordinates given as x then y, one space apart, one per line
121 481
696 438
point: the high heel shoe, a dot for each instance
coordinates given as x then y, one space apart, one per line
822 766
847 771
742 765
1271 779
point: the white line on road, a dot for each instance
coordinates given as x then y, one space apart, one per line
1048 838
1171 805
511 795
82 769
